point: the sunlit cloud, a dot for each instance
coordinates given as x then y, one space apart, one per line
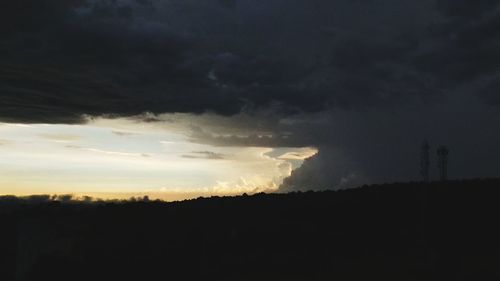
299 154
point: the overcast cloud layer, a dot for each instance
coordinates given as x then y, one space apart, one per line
62 59
360 80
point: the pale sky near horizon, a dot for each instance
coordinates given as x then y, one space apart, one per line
121 156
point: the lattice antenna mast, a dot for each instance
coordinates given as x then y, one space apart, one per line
424 161
442 153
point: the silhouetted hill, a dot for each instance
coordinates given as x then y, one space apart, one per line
412 231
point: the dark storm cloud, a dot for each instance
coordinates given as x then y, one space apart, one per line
464 47
96 57
373 146
274 137
63 59
360 80
369 146
466 9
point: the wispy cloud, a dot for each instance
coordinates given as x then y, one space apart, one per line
60 137
118 153
124 134
210 155
109 152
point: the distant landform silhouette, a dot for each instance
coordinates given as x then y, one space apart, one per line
406 231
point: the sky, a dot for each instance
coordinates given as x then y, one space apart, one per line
116 158
198 96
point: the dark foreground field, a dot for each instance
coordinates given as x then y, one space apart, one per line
440 231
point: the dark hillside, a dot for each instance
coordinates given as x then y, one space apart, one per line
412 231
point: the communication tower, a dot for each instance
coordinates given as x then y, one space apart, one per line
442 153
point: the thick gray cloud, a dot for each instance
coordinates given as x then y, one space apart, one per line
366 146
62 59
373 146
360 80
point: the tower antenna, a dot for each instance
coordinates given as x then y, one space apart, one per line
442 153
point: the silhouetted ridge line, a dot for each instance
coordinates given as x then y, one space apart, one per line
402 231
